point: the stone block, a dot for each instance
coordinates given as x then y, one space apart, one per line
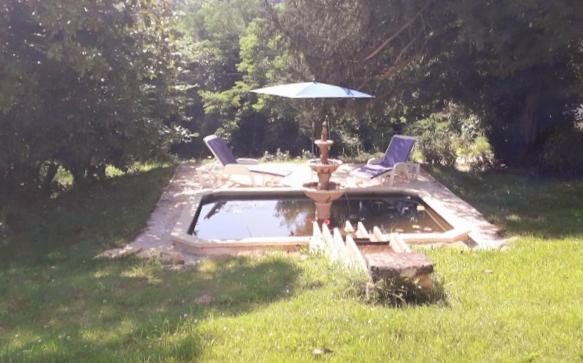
391 265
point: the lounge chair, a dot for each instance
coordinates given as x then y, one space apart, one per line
247 168
394 160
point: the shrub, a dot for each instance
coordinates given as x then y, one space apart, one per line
562 153
278 156
450 136
400 292
477 153
435 140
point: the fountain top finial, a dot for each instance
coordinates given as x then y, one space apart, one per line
324 134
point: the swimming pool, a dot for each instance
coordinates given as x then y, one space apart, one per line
240 216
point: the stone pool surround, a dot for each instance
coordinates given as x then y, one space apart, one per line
464 219
191 179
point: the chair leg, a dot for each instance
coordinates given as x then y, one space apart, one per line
212 176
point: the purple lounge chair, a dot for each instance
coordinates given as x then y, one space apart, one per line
396 155
239 166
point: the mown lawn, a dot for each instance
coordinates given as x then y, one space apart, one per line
58 304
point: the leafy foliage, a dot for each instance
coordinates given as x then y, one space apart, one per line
85 84
515 63
450 136
435 140
247 53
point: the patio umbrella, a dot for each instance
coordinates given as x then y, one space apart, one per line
311 90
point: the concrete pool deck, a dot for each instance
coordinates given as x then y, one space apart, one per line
192 179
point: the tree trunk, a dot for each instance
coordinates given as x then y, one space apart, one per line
100 172
79 176
529 126
49 176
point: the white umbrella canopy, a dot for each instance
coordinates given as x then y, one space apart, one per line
311 90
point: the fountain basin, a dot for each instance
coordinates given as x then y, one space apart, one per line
324 171
323 143
323 198
327 168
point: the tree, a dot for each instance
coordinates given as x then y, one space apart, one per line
235 50
528 57
516 63
83 85
213 29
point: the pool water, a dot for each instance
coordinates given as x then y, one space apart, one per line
234 218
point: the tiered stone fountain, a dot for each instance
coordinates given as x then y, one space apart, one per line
383 257
323 192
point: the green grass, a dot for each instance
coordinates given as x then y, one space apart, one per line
523 204
58 304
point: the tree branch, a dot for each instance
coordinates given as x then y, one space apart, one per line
406 47
401 29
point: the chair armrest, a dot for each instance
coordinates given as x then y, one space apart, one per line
247 161
374 161
408 168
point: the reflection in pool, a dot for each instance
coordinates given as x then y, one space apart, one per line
224 218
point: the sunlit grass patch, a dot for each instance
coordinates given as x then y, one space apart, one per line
522 204
149 272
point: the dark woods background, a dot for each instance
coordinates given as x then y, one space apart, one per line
88 84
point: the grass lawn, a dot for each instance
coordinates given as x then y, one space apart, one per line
58 304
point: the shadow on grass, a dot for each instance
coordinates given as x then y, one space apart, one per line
58 303
112 310
520 203
81 222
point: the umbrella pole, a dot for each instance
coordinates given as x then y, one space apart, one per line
324 147
313 137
